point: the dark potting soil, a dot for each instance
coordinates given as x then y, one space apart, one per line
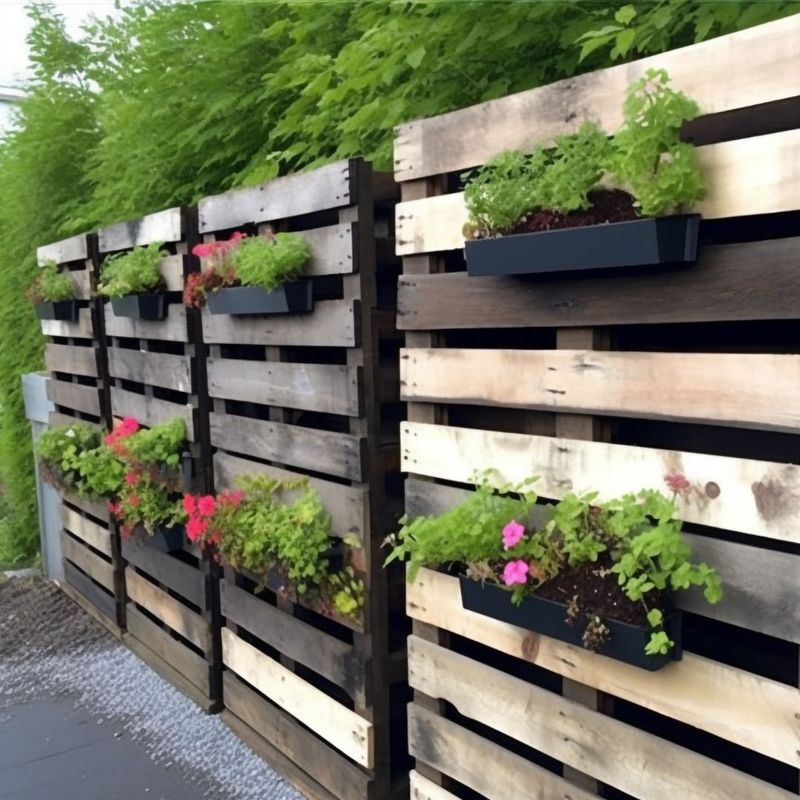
607 205
592 589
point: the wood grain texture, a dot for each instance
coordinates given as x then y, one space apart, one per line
81 283
485 767
150 410
724 272
163 226
299 641
94 508
424 789
340 727
347 505
332 323
744 177
76 248
95 601
288 196
743 708
633 761
90 563
760 585
328 388
172 268
165 370
82 329
171 329
86 530
742 69
71 359
332 250
742 390
327 452
755 497
170 611
74 396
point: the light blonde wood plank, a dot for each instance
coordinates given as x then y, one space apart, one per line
482 765
737 494
330 324
82 329
92 564
423 789
85 529
172 329
288 196
743 708
328 388
155 369
337 724
743 389
163 226
150 410
95 508
638 763
71 359
172 272
75 248
74 396
746 176
172 613
753 66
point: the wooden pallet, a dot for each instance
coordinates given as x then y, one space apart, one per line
694 371
314 395
156 373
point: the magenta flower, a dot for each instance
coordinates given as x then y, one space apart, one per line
512 533
677 482
204 250
515 572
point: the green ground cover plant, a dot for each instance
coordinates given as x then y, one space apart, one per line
51 285
136 272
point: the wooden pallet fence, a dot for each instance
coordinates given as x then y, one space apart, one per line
156 371
77 387
315 395
609 384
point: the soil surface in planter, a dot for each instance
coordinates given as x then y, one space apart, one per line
591 589
607 205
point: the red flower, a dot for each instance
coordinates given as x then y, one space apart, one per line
134 500
206 505
131 479
195 528
189 504
125 531
233 498
113 508
677 482
204 250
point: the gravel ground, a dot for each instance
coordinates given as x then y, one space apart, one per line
49 648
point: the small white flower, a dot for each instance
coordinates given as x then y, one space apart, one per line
70 433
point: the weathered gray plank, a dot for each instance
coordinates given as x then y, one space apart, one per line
74 396
150 410
172 329
76 248
71 359
163 226
91 592
182 578
82 329
85 559
155 369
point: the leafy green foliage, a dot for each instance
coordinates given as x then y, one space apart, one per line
61 451
101 472
270 262
136 272
161 445
51 285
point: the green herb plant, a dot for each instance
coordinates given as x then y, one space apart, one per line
51 285
136 272
61 451
271 261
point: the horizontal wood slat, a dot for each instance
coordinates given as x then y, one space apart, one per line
85 529
743 708
760 585
347 505
743 177
92 564
328 388
95 508
95 601
170 611
331 324
338 725
293 638
424 789
82 329
172 329
307 448
633 761
150 410
71 359
288 196
741 389
74 396
755 497
76 248
163 226
724 272
165 370
485 767
729 72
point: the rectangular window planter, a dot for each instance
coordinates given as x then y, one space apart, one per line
141 306
618 245
63 310
291 298
626 642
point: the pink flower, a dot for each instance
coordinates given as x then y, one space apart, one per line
113 508
512 533
195 528
515 572
206 505
677 482
189 505
129 425
131 479
233 498
204 250
134 500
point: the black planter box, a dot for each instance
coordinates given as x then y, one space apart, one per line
626 642
141 306
63 310
291 298
167 540
617 245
